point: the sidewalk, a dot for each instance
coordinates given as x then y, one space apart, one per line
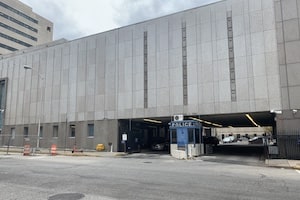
67 152
283 163
252 161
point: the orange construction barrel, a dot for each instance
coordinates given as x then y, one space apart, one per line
53 150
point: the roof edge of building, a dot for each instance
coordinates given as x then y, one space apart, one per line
34 48
148 20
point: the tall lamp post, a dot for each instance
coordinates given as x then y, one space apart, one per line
27 67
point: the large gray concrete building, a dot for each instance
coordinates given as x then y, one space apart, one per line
231 63
21 28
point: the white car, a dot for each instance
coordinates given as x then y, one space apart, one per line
228 139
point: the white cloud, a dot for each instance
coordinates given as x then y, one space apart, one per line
77 18
140 10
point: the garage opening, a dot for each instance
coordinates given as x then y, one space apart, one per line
242 134
242 141
144 135
228 134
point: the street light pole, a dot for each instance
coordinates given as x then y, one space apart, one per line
27 67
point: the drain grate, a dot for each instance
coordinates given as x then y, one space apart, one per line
67 196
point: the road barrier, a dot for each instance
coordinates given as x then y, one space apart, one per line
76 150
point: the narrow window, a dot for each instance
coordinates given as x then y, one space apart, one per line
184 64
231 56
145 69
72 131
25 132
55 132
173 136
13 133
90 130
41 132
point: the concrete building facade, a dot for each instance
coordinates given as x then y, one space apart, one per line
21 28
234 56
288 43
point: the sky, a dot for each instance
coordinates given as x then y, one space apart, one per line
74 19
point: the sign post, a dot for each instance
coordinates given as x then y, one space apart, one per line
124 140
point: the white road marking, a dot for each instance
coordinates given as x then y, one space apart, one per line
298 171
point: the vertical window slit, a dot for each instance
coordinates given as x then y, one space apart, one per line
231 56
145 69
184 64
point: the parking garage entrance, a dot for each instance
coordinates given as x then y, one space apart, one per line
241 134
153 135
137 135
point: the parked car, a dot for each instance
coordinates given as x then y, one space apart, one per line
211 140
257 140
243 139
228 139
160 145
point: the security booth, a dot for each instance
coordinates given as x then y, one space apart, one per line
185 138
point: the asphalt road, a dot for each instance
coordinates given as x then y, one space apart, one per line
241 150
139 177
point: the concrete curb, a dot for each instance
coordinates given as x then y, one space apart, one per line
296 168
283 163
96 154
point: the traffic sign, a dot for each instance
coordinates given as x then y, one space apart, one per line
124 137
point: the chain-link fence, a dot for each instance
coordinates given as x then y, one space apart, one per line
9 140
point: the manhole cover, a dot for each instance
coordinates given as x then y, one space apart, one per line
66 196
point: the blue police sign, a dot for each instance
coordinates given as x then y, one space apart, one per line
184 123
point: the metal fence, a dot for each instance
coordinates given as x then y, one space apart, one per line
289 144
18 140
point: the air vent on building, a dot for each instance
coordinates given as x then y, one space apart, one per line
178 117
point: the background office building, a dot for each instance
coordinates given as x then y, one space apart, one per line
21 28
228 64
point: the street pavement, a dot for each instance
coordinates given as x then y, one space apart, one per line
252 160
141 176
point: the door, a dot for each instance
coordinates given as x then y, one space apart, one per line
182 138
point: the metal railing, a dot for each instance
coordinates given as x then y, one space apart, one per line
289 144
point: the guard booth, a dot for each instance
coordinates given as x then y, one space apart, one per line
186 138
